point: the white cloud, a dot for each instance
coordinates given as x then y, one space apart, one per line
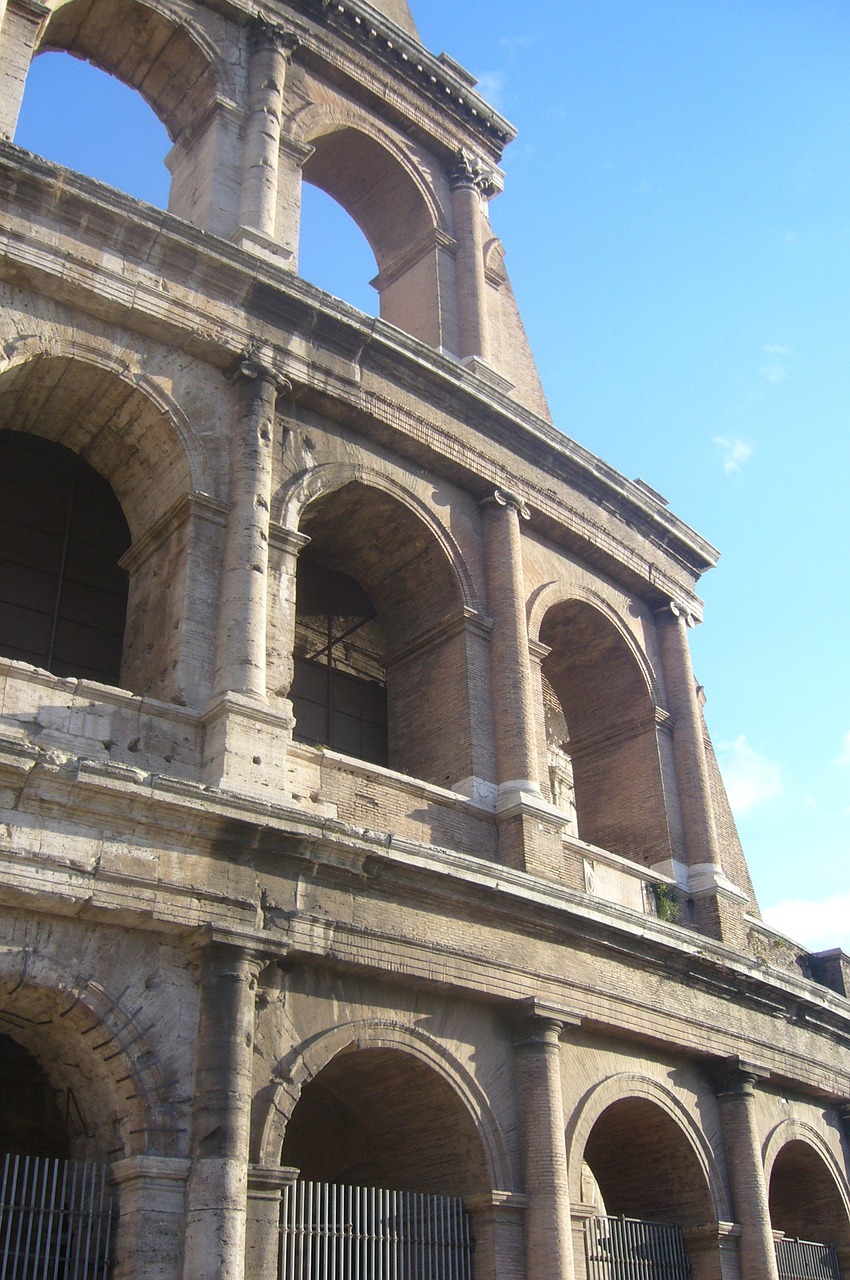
773 349
843 757
817 925
490 85
773 372
751 779
734 452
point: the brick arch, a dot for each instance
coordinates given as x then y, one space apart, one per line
396 204
631 1087
93 1047
304 488
151 46
307 1061
820 1201
601 714
554 593
118 419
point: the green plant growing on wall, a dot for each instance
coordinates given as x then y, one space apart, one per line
666 903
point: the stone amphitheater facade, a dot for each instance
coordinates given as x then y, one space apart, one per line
360 826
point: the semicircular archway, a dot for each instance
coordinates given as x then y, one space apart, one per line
602 741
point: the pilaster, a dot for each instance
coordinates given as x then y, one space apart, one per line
548 1226
471 181
734 1085
221 1113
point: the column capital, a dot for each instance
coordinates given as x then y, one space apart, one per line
673 611
507 498
736 1077
250 367
472 171
263 34
539 1024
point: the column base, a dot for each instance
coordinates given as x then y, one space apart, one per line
264 246
245 745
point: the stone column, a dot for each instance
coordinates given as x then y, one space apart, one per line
20 25
284 548
471 180
548 1227
221 1114
513 709
734 1083
717 903
241 639
270 50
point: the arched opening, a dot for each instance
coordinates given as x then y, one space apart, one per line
84 419
144 49
647 1187
805 1203
604 762
333 253
388 206
385 1153
380 672
53 1209
79 116
32 1121
383 1118
63 593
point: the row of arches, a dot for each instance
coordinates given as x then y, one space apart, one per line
376 1105
388 207
387 653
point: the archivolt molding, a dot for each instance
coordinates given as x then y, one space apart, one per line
792 1130
308 1059
47 1006
21 351
310 124
554 593
180 17
632 1085
314 483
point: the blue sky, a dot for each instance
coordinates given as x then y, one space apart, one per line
677 226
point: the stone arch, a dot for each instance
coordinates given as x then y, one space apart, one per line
600 712
808 1193
150 47
395 204
307 1061
630 1087
384 639
307 486
95 1052
118 419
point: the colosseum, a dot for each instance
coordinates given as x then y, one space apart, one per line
371 907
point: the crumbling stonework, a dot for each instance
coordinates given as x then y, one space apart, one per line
391 849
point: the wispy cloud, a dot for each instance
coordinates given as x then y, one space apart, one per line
818 925
491 85
520 41
734 452
774 371
751 778
843 757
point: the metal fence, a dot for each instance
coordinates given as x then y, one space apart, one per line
331 1232
806 1260
55 1219
629 1249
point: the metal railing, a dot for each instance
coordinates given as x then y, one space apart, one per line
55 1219
331 1232
630 1249
806 1260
